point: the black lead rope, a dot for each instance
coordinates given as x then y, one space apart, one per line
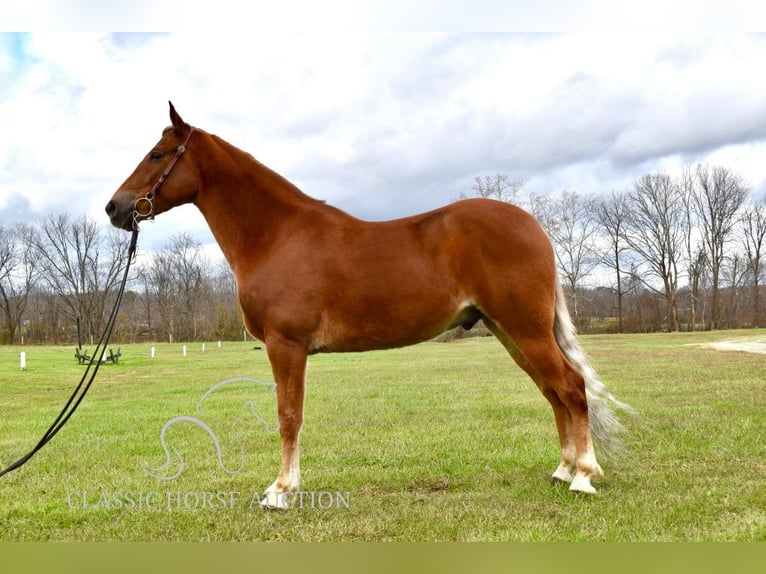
82 388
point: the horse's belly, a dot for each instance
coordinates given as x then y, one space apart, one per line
386 327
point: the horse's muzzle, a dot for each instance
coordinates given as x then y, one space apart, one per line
120 214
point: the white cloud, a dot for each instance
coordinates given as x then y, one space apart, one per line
381 124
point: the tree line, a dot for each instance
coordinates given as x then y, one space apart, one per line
59 277
683 251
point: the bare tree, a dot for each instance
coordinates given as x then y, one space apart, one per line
18 270
572 223
733 275
719 199
164 292
613 216
227 321
178 279
754 241
655 232
81 264
696 256
543 208
499 186
699 279
146 321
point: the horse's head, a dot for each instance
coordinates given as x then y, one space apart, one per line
160 182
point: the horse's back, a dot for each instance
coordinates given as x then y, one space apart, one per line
496 232
473 236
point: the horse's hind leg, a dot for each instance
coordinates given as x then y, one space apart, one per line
564 387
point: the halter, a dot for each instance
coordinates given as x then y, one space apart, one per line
149 197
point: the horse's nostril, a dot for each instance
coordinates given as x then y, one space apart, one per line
111 208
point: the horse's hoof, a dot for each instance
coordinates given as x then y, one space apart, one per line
275 500
556 481
581 484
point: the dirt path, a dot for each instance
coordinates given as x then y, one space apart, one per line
746 344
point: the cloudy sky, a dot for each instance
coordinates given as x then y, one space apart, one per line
380 124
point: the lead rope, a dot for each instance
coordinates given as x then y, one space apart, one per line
82 388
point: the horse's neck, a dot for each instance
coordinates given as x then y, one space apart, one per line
244 202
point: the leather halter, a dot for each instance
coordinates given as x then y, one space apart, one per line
149 197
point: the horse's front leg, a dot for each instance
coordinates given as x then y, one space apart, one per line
288 364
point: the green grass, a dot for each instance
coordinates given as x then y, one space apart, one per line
432 442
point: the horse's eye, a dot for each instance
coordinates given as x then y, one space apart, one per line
155 155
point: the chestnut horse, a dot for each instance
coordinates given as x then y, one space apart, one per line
313 279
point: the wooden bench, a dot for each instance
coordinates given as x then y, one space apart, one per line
82 357
114 357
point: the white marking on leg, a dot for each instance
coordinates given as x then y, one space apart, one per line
566 469
276 496
587 469
563 473
581 483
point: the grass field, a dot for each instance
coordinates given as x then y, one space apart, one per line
442 441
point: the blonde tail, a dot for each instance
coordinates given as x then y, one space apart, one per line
604 424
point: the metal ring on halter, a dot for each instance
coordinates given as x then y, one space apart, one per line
137 215
149 213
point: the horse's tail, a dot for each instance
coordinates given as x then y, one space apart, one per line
604 424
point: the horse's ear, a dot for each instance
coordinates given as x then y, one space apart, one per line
180 127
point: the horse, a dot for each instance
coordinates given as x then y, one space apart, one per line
312 278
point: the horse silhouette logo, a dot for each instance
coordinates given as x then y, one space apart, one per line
233 390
